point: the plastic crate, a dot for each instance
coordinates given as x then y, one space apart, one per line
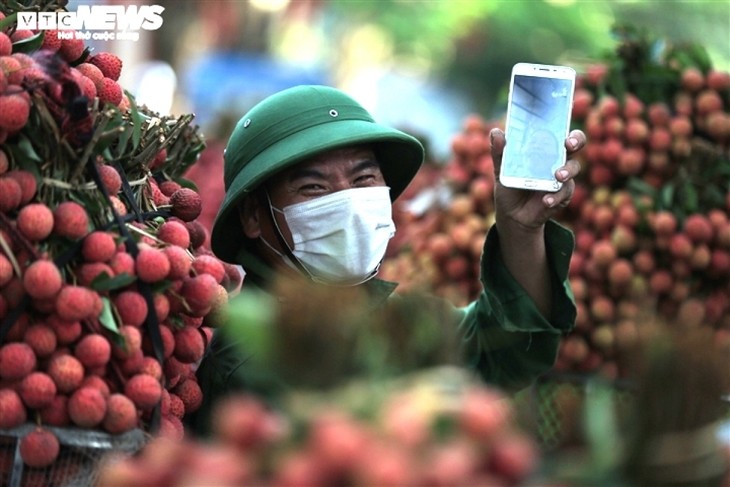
78 460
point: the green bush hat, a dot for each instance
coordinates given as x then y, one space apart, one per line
291 126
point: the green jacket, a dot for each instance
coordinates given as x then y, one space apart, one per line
501 335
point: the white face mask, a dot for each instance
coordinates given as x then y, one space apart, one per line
340 238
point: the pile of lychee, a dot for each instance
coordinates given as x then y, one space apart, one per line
650 214
413 435
105 310
97 75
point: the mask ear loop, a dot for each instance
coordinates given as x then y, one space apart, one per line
283 243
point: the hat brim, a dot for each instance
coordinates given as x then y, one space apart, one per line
400 156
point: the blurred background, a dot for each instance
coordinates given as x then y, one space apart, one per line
422 66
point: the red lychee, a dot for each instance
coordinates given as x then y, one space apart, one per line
189 345
10 194
109 91
27 182
186 204
131 342
16 360
692 79
42 279
14 112
180 262
110 178
12 409
131 307
37 390
144 390
56 413
35 221
175 233
66 371
198 233
66 331
123 263
208 264
190 394
87 272
71 49
87 407
70 220
199 292
109 64
121 414
39 448
75 303
98 246
91 71
41 339
93 350
152 265
168 187
6 44
699 228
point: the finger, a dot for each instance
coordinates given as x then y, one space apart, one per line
497 142
575 141
561 198
570 170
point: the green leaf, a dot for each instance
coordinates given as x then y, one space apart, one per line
104 282
107 316
30 44
8 21
251 323
666 196
137 121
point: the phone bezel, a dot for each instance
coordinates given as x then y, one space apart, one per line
542 71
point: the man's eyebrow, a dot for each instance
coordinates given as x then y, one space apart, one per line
304 172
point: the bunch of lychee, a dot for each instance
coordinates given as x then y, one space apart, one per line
59 59
442 226
411 437
81 351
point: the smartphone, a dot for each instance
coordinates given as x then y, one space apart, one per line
538 121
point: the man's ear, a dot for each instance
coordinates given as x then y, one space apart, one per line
249 215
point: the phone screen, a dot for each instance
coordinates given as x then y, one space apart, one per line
537 125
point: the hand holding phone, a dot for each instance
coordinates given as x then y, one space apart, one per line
538 121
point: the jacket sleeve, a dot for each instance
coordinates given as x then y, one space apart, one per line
507 339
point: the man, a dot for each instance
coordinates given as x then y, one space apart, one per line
310 178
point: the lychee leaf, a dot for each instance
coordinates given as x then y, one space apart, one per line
8 21
30 44
104 282
107 316
137 121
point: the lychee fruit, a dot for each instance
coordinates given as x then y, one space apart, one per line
39 448
699 228
144 390
152 264
91 71
199 292
110 178
121 414
6 270
93 350
98 246
42 279
208 264
41 339
87 272
109 64
180 262
109 91
189 345
198 233
56 412
168 187
35 221
12 409
75 303
6 44
97 382
87 407
123 263
10 193
66 371
71 49
131 307
70 220
37 390
16 360
190 393
175 233
27 182
14 112
66 331
130 343
186 204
